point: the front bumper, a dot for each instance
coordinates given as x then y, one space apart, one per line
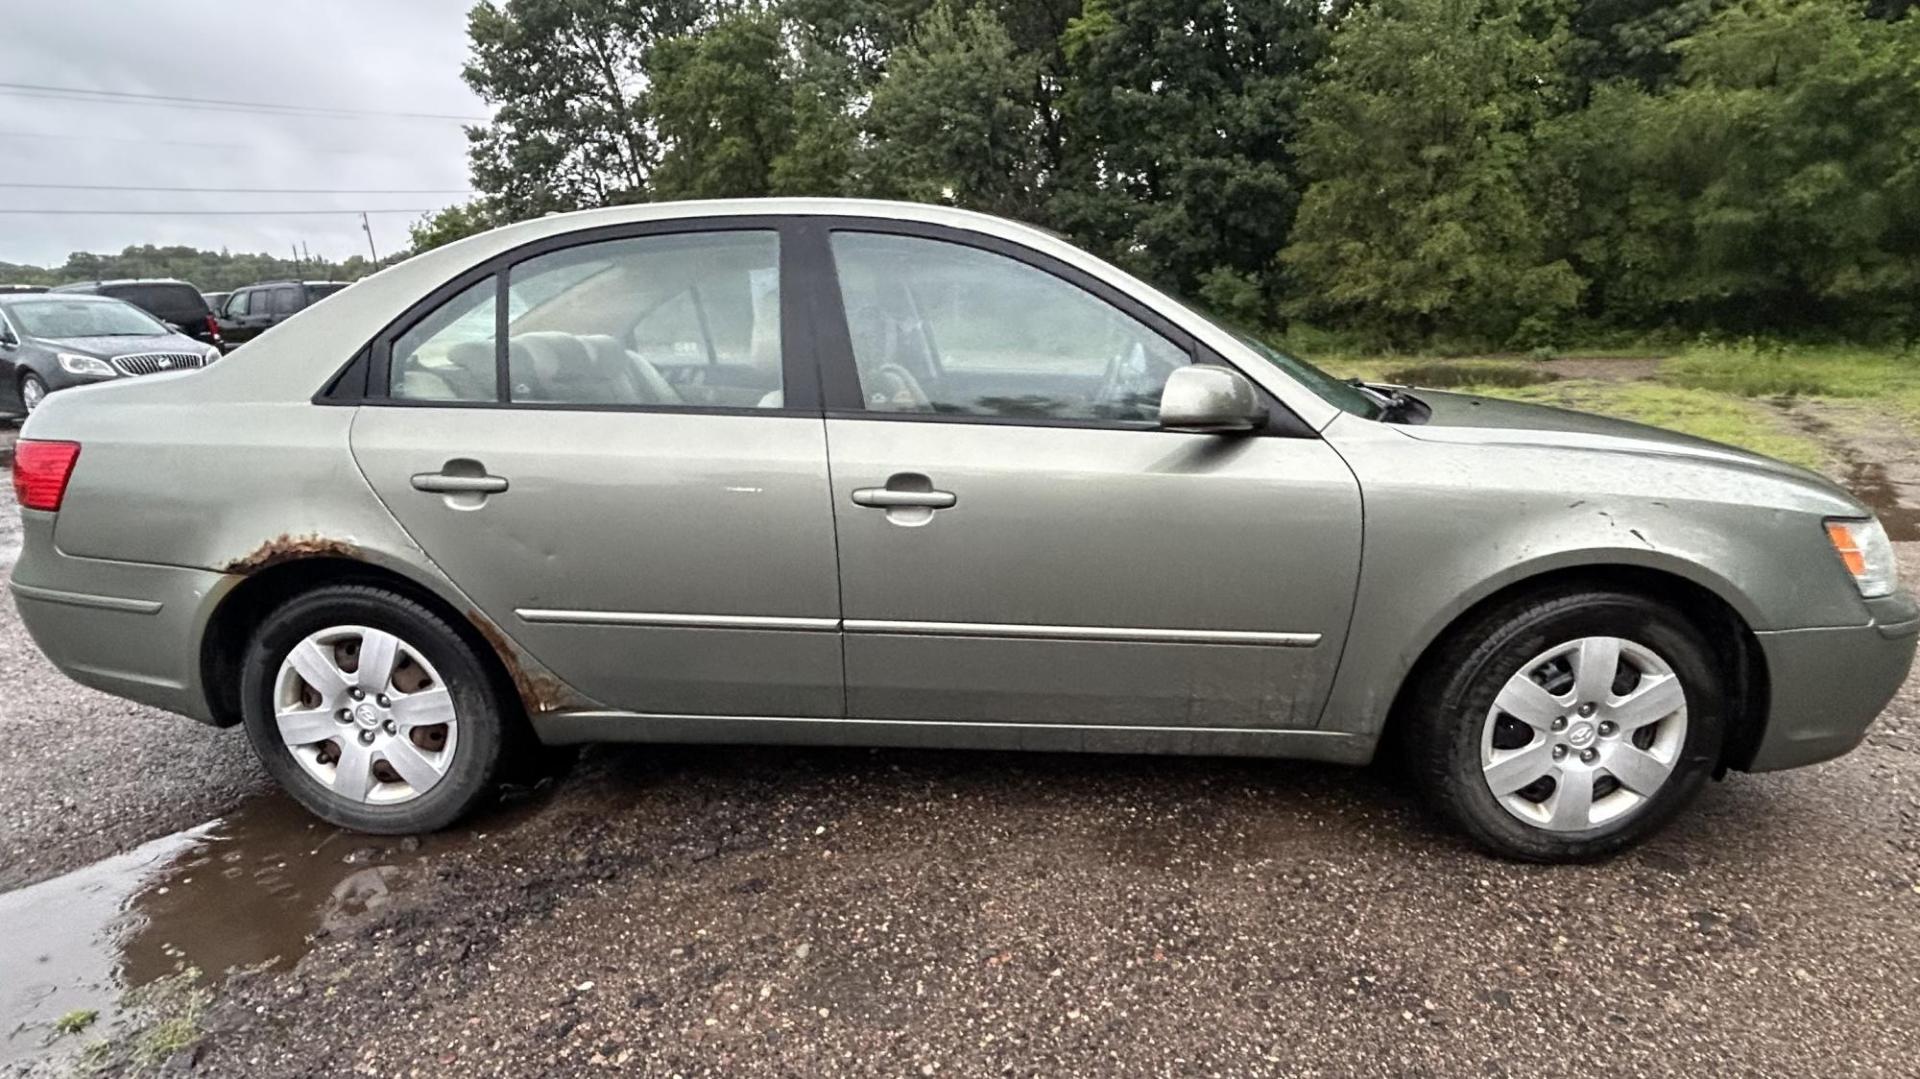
126 628
1828 685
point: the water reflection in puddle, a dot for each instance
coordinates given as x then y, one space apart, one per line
251 888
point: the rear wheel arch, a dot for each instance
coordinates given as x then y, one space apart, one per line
1737 650
234 620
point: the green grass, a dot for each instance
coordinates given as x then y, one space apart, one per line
75 1021
1703 411
159 1019
1757 370
1736 421
173 1007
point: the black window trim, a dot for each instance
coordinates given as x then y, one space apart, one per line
839 375
364 379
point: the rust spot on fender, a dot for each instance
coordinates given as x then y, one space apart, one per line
289 548
539 690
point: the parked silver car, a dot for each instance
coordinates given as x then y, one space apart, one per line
865 473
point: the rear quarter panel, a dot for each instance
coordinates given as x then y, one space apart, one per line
174 472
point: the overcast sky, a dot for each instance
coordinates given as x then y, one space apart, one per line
380 55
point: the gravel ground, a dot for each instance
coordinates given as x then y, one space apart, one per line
706 912
703 911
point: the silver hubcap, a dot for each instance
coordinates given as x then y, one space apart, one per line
364 713
32 393
1584 734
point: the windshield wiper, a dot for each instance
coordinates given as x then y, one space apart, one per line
1395 405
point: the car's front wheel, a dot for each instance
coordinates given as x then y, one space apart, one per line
33 390
1566 727
371 710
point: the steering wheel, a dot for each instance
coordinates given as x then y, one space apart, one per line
894 389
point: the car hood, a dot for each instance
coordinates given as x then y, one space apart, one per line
1461 417
108 347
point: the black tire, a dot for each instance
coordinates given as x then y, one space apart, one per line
30 377
1451 698
485 726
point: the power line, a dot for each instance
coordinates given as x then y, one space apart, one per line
252 190
222 213
250 147
127 97
90 137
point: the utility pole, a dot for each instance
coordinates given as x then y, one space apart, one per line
368 229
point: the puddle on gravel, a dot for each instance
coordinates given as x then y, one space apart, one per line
1868 480
1869 483
247 890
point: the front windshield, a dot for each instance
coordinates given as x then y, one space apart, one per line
82 318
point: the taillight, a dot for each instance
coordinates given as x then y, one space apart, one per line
40 472
213 328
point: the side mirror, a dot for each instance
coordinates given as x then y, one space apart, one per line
7 339
1210 400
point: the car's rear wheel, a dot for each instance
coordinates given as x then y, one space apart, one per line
371 710
33 390
1566 727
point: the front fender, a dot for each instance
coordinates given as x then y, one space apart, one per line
1449 525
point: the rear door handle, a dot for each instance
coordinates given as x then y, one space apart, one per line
465 482
887 498
441 483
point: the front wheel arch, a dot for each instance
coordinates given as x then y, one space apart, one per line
1741 661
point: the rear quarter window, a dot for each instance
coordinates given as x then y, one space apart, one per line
180 304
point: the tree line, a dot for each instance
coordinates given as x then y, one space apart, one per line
1506 173
211 271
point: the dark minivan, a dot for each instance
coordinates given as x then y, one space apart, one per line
252 311
170 301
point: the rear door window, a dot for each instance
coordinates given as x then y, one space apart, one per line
683 320
449 354
284 300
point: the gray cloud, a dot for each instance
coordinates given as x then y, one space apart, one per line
389 55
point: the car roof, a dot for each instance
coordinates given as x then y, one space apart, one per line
292 365
12 299
122 281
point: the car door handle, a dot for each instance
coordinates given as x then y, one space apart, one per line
887 498
442 483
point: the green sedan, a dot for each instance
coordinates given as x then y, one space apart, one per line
837 472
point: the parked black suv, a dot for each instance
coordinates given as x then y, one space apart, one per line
252 311
175 302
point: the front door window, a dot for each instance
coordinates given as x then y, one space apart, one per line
943 328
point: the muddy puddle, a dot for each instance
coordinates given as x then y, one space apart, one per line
1867 479
1869 482
252 889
